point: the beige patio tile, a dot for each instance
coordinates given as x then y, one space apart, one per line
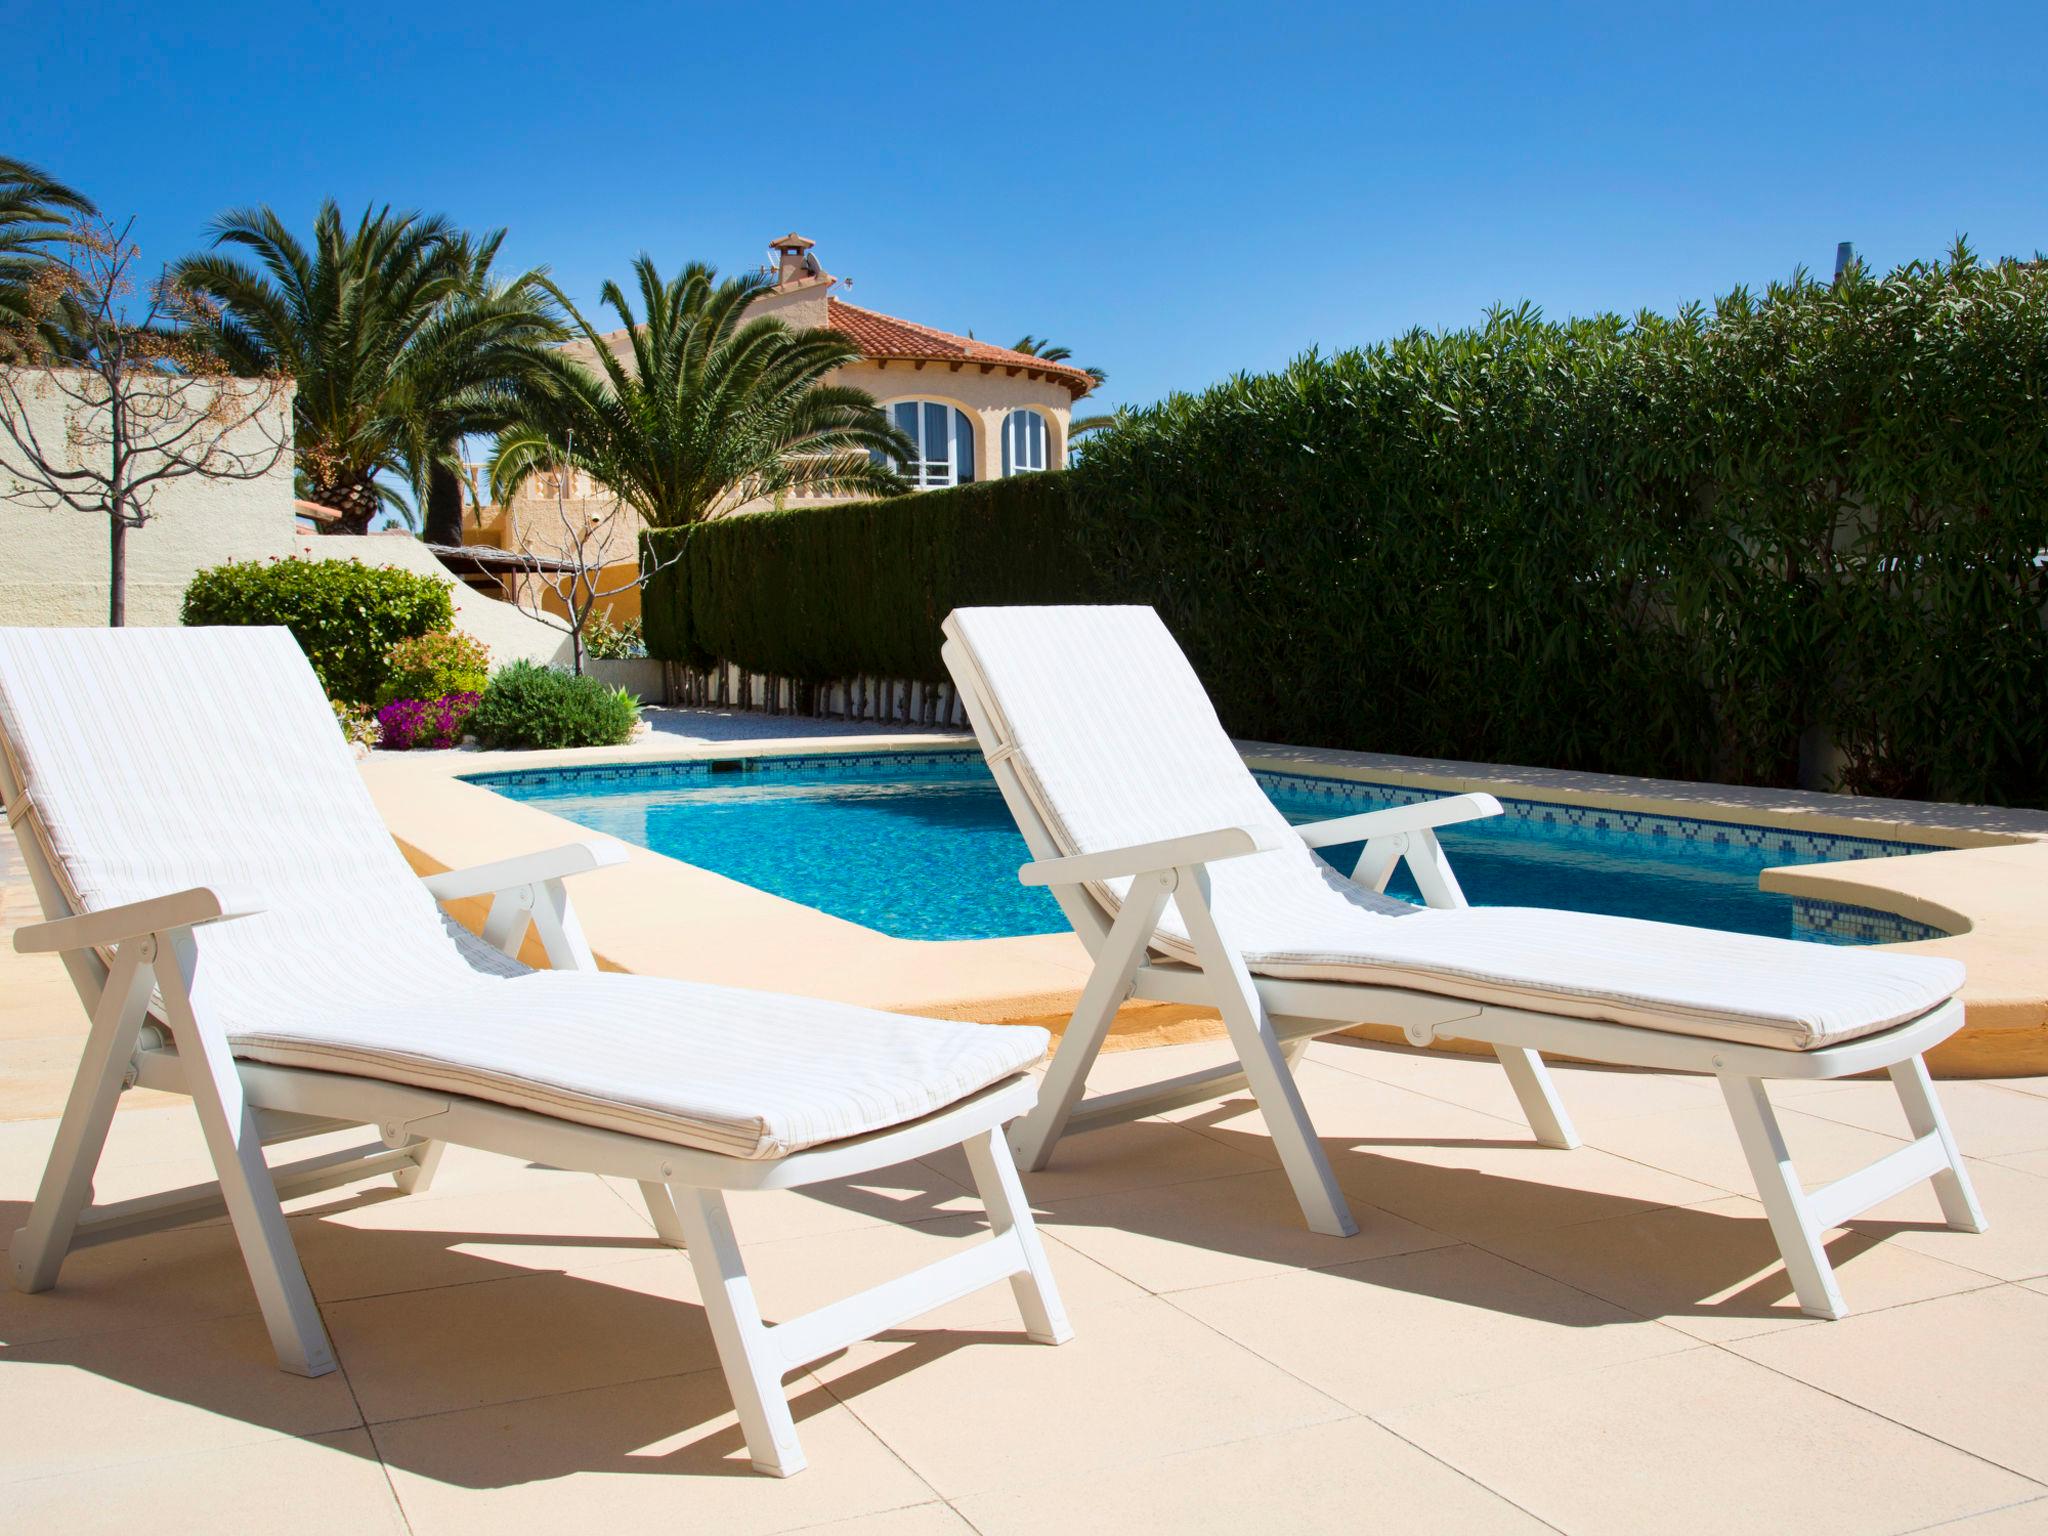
2015 1246
389 1242
1342 1478
1701 1144
1701 1441
2035 1163
1219 1230
466 1346
1140 1380
1391 1333
1965 1369
73 1404
307 1487
2028 1519
663 1454
2034 1085
1988 1120
1477 1081
1713 1270
182 1277
1142 1154
934 1519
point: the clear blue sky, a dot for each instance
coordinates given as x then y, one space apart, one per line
1177 192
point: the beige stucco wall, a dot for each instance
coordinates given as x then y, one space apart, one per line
54 566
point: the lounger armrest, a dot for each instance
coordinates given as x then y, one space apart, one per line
1423 815
131 920
523 869
1143 858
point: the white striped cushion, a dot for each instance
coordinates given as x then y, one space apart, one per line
1116 743
158 760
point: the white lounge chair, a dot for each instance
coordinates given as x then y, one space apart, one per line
1187 886
195 827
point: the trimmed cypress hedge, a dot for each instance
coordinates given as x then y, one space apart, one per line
1685 546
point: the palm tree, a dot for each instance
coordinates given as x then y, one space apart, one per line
394 331
707 411
1052 352
36 212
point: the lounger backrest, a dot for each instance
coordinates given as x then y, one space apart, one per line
1115 743
154 760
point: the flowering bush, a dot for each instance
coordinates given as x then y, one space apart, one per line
406 723
435 666
358 723
613 642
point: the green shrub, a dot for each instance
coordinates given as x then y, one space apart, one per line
613 642
1670 546
534 707
434 666
345 615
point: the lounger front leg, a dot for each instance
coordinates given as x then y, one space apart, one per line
236 1145
1784 1197
1265 1064
38 1249
1924 1115
1002 1194
1544 1110
426 1162
1034 1136
661 1210
744 1348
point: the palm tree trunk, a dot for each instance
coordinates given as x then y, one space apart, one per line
444 506
355 499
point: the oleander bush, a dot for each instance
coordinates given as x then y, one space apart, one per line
1696 545
534 707
613 642
435 667
346 616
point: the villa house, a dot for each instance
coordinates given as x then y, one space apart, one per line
975 411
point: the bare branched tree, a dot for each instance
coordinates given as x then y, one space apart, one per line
131 398
574 567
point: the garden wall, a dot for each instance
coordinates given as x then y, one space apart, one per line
1686 546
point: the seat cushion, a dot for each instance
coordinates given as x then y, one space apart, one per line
1115 743
1620 970
746 1074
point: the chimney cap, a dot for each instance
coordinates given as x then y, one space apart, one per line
791 242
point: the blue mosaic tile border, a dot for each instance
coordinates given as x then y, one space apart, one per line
1858 925
849 763
1794 846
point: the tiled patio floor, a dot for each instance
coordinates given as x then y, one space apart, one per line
1518 1339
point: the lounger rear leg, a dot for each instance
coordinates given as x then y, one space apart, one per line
1784 1198
1002 1193
1924 1115
1544 1110
745 1351
426 1162
37 1251
661 1209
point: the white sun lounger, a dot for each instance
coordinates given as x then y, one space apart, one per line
1187 886
195 828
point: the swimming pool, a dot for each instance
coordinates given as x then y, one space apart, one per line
920 845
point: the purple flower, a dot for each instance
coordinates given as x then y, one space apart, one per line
408 723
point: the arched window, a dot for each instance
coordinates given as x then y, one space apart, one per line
1024 442
944 436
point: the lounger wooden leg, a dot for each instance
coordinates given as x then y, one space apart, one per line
1924 1115
1034 1136
661 1206
38 1249
232 1138
1541 1106
744 1349
426 1162
1002 1193
1265 1066
1784 1196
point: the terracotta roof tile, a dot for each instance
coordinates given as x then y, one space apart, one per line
887 338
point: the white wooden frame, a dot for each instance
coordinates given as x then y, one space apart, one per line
245 1106
1271 1020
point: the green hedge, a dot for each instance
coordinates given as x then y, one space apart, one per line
1682 546
345 615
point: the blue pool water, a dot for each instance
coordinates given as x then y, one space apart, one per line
922 847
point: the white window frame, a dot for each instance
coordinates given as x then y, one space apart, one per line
1012 462
921 473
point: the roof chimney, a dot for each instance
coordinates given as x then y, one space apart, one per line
793 259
